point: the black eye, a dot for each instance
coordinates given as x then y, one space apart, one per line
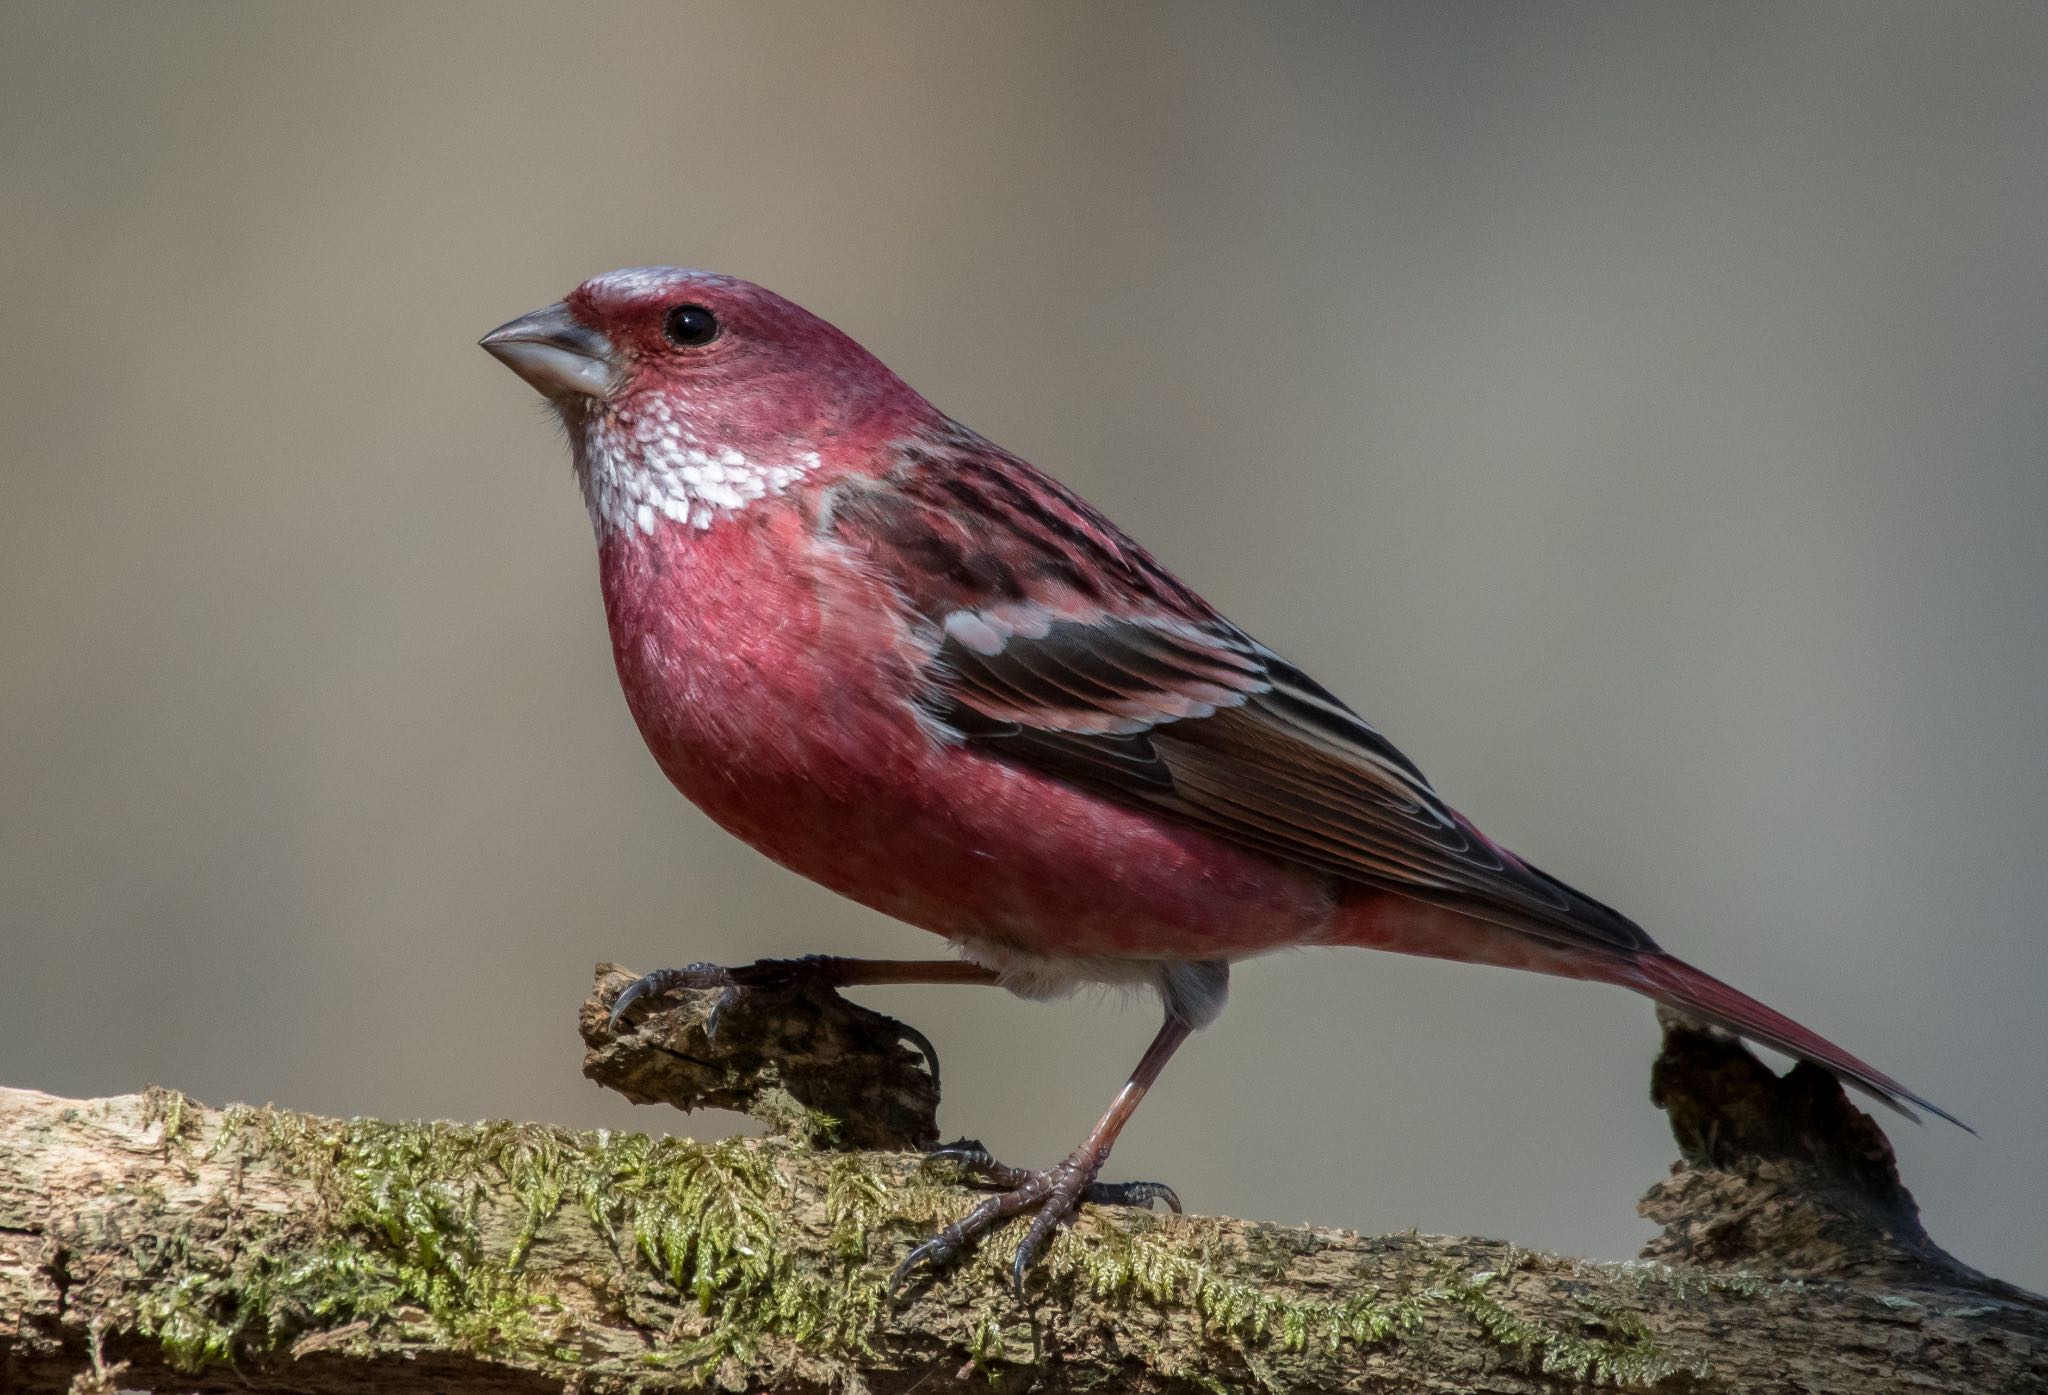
690 325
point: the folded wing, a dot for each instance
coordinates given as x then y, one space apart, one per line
1059 644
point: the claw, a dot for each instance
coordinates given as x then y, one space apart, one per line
1062 1201
662 981
711 1019
1140 1194
762 973
900 1282
1019 1265
1057 1194
970 1153
818 971
972 1157
924 1045
948 1245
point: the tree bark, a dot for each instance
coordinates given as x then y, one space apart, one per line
150 1243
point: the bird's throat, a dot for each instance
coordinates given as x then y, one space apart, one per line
642 466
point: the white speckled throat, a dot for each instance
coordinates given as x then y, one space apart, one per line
642 465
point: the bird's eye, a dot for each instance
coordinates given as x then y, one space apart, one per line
690 326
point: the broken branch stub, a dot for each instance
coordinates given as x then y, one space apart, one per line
772 1046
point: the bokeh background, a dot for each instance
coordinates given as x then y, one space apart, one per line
1640 411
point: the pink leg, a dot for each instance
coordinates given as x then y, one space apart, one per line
1057 1192
811 971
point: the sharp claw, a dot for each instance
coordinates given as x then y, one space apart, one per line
971 1157
660 981
942 1249
924 1044
711 1019
1058 1208
966 1151
1058 1195
900 1283
1131 1194
763 973
698 975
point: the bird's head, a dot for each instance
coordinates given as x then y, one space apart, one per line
689 395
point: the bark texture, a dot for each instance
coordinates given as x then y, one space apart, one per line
765 1053
149 1243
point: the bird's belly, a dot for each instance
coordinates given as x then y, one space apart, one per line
1011 862
791 723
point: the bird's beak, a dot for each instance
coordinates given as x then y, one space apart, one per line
560 357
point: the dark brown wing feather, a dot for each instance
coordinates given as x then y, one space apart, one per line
1060 644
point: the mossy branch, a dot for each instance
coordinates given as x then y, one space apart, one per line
151 1243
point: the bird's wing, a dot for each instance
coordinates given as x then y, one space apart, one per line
1058 643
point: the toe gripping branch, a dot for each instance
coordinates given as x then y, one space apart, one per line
1057 1193
754 1037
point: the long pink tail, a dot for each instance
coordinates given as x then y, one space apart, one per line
1373 919
1703 996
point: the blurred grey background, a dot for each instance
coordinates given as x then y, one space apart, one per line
1638 410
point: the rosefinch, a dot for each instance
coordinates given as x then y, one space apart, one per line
907 664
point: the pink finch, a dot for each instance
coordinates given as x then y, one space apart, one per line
905 663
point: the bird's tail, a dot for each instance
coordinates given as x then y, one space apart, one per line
1375 920
1703 996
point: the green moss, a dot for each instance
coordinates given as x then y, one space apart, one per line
428 1227
432 1224
1137 1264
790 1118
397 1233
175 1111
1610 1347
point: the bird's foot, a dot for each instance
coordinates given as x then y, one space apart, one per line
811 973
811 970
1057 1194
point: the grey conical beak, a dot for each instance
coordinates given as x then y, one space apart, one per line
560 357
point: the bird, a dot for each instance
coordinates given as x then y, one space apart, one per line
912 667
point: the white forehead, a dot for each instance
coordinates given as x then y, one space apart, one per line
635 281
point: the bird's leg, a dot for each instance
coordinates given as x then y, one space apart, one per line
1057 1192
813 971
